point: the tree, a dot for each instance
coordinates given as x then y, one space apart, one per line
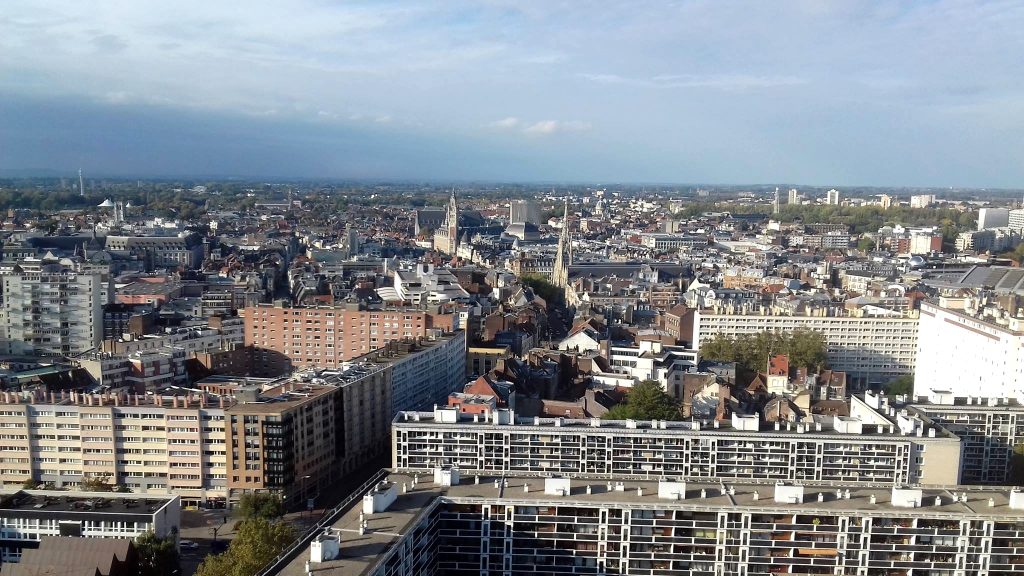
258 542
265 506
542 287
98 483
904 385
30 484
865 244
805 348
157 556
646 401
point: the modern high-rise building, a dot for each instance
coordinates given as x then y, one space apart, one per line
794 196
51 309
993 218
1015 220
284 337
832 197
524 212
965 350
922 200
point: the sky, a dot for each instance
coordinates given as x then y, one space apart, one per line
923 93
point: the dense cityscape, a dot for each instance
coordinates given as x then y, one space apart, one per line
511 288
426 379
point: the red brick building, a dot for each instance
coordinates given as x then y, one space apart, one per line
284 337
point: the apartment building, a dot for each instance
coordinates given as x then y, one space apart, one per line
50 309
871 345
967 348
27 516
234 435
852 450
525 525
989 429
284 337
152 444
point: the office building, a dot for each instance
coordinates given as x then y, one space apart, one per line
50 309
993 218
872 345
870 448
285 337
28 516
471 526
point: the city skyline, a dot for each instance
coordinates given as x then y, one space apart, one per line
852 94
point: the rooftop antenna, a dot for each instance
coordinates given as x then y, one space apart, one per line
81 186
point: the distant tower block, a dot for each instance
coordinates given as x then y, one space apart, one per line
81 183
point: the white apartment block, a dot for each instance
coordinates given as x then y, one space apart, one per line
989 429
922 200
871 449
26 516
870 349
963 352
492 526
49 309
1015 220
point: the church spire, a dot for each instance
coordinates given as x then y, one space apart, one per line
560 274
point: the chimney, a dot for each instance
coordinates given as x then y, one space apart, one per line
117 400
136 399
174 399
53 398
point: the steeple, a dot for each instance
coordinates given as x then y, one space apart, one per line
560 273
451 222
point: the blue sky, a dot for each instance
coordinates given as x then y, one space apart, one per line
816 92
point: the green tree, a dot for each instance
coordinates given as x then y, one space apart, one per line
805 348
865 244
98 483
265 506
646 401
157 556
258 542
900 386
542 287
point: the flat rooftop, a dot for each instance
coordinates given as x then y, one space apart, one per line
822 425
30 502
359 553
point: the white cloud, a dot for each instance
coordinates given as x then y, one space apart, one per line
553 126
505 123
716 81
